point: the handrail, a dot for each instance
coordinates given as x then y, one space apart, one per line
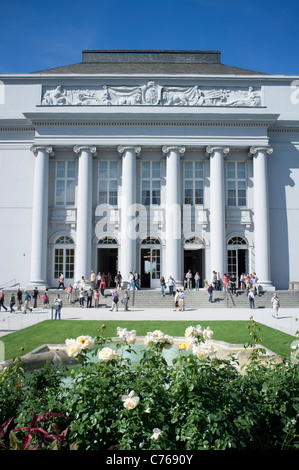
8 284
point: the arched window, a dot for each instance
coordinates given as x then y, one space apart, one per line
194 241
107 241
150 241
64 257
237 241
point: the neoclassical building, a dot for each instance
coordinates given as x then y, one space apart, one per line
153 161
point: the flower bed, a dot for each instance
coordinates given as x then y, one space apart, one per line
198 401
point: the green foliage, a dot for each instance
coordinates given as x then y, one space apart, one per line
192 404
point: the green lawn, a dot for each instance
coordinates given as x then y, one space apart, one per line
56 332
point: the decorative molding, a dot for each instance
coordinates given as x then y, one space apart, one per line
121 149
42 148
152 94
210 150
166 149
167 123
88 148
254 150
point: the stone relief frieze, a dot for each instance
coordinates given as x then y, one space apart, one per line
152 94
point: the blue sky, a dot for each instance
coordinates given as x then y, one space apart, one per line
261 35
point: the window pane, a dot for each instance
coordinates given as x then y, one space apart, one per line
241 170
60 192
71 169
103 169
231 193
198 170
188 170
146 173
60 169
156 192
230 169
113 169
155 169
198 192
70 192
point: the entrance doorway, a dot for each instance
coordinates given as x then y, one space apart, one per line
193 259
237 257
107 257
150 265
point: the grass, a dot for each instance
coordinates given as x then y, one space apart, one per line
50 332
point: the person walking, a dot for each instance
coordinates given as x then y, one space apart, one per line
125 300
27 300
210 292
176 300
46 300
275 304
162 285
251 298
114 301
118 280
35 295
61 281
19 299
12 302
2 301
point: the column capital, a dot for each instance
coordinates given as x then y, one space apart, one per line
42 148
88 148
254 150
211 149
166 149
122 148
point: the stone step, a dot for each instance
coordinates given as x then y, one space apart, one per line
193 299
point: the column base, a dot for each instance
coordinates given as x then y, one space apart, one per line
266 285
41 285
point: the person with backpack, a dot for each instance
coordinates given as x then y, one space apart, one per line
114 301
35 295
12 301
27 300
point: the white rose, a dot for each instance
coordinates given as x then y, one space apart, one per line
157 433
208 333
107 354
130 401
72 347
85 342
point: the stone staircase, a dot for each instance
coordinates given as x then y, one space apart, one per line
193 299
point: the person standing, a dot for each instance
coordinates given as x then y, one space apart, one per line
92 279
176 300
225 282
69 291
181 300
196 280
233 281
96 297
171 283
275 304
35 295
118 280
251 298
210 292
58 303
189 279
89 298
81 298
45 299
2 301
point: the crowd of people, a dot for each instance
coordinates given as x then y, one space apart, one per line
90 293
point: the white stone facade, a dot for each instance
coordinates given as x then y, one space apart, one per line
155 173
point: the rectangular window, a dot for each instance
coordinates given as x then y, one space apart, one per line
108 177
150 183
193 183
236 184
65 183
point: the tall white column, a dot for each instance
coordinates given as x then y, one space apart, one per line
173 236
261 215
128 201
40 216
84 212
217 209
